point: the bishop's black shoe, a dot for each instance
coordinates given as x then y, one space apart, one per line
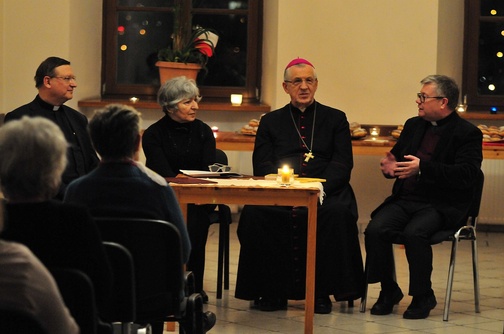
323 305
269 304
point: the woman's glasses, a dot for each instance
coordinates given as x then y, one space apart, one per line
217 167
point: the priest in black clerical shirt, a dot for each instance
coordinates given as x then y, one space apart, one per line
435 164
56 82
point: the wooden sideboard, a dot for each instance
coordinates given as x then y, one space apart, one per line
234 141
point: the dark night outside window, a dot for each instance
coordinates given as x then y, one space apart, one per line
134 31
484 55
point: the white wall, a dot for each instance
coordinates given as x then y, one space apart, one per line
35 30
370 54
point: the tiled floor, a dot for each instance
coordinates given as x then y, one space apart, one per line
236 316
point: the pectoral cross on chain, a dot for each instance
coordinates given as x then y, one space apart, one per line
308 156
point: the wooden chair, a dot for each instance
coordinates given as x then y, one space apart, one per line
466 232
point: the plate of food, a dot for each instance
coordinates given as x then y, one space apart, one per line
396 133
356 131
492 134
250 129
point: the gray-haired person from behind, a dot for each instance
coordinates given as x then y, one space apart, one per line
33 152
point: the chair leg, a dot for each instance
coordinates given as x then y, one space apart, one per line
220 260
364 291
226 256
449 283
475 274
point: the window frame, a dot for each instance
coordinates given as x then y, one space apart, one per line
251 91
475 101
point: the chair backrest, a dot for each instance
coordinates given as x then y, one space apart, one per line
121 306
156 249
19 321
476 201
471 219
221 157
78 294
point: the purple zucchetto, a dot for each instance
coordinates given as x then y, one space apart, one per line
298 61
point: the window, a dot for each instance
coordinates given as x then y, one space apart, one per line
484 55
133 31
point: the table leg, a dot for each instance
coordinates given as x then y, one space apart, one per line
311 246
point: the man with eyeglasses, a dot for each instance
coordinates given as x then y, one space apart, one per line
314 140
56 82
435 163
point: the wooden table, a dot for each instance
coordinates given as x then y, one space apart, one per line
233 141
309 197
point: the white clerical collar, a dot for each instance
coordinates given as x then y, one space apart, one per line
434 123
55 108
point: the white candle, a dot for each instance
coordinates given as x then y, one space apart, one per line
285 175
236 99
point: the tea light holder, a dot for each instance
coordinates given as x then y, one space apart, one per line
236 99
374 132
462 107
285 176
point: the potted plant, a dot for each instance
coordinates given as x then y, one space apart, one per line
189 51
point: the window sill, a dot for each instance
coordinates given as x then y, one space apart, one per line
209 105
483 115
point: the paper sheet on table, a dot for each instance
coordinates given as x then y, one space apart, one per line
205 173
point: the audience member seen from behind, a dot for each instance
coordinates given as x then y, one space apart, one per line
435 164
180 141
122 187
26 285
56 82
33 152
314 140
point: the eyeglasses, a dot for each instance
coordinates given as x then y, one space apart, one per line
216 167
67 79
423 97
298 81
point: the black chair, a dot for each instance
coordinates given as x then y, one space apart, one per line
19 321
120 310
467 232
161 292
78 294
222 216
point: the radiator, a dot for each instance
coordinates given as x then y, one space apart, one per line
492 202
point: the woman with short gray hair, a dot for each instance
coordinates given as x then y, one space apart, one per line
181 141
